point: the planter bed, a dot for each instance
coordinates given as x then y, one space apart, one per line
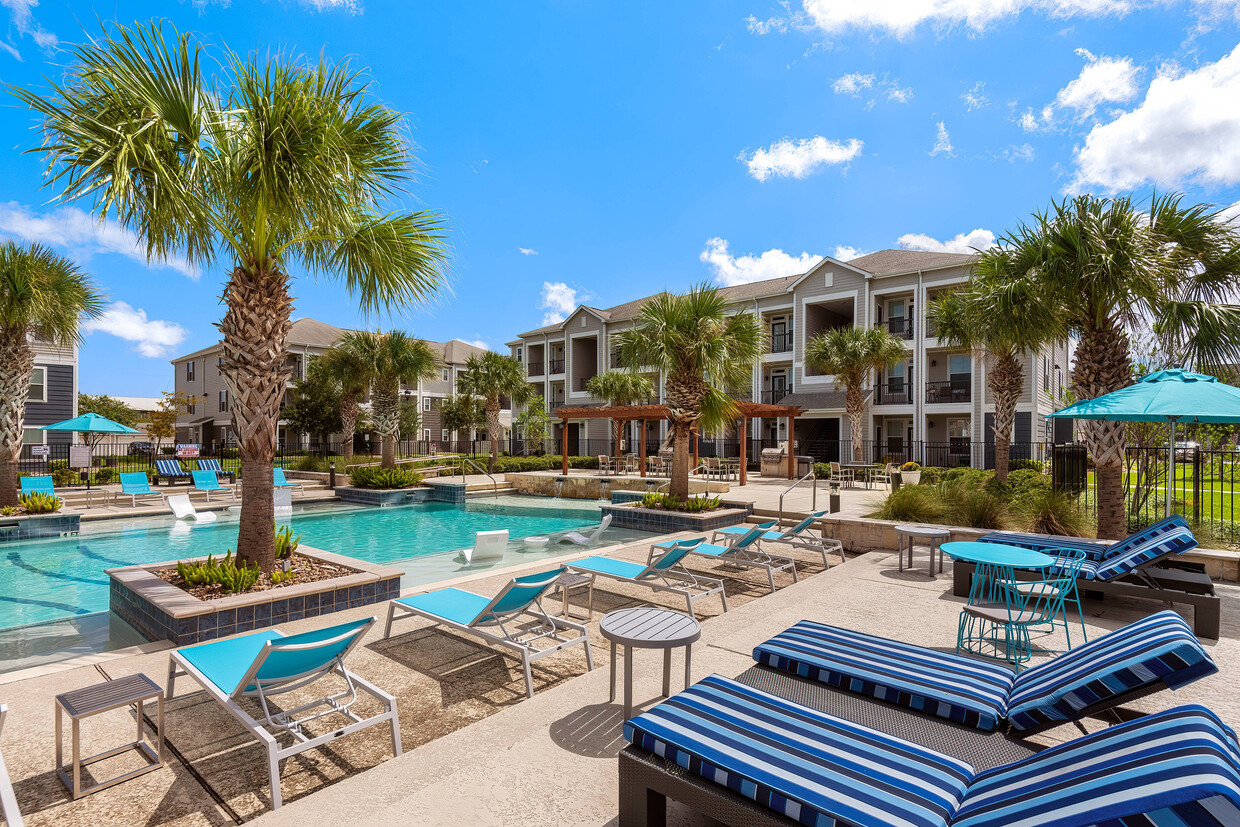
629 515
384 496
163 611
34 526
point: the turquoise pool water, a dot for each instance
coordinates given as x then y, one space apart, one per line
45 581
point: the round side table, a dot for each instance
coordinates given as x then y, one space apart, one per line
932 536
536 543
648 628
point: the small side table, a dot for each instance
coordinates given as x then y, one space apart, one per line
931 535
103 697
566 582
648 628
536 543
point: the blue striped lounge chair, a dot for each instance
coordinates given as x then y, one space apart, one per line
280 481
267 663
213 465
41 484
208 483
664 571
513 620
743 551
171 470
723 747
136 486
800 535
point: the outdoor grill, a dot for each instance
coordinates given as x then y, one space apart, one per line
774 462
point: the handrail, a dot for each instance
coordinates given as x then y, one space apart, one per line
813 503
467 461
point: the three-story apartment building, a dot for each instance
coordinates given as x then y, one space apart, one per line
53 393
932 406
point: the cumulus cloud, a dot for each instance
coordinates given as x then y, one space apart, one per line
81 234
1104 82
976 98
21 18
942 141
856 83
731 270
846 253
558 300
1231 214
152 338
978 239
1186 130
797 159
852 84
526 251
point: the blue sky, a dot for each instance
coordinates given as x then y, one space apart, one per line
599 151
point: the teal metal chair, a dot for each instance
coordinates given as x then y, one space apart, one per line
208 483
280 481
136 486
39 485
1064 558
664 571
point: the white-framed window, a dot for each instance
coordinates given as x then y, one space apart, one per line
38 385
189 371
443 434
426 434
34 436
518 354
189 408
426 403
224 401
445 375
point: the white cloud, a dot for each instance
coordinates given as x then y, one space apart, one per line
978 239
351 6
730 270
1104 80
855 83
1018 152
22 18
526 251
1186 130
1231 214
942 141
799 158
81 234
899 94
154 338
479 343
852 84
779 23
846 253
558 299
976 98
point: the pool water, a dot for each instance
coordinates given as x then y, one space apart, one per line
61 581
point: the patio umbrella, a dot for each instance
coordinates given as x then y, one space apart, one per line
1171 395
91 425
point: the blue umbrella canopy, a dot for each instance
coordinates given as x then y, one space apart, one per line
91 423
1172 395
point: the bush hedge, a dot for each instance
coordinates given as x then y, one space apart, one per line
373 476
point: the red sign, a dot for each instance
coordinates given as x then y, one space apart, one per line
187 451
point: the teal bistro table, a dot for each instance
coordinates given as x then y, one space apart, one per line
988 563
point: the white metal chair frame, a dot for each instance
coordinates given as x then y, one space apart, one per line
749 556
8 800
675 578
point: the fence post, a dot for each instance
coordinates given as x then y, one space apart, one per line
1196 483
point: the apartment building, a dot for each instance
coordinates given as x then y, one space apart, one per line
53 393
932 406
209 419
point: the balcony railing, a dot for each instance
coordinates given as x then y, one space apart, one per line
899 326
536 369
781 343
893 393
952 390
556 365
773 396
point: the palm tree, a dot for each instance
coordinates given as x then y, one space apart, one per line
1114 270
490 377
41 295
850 354
619 387
385 361
461 412
271 162
1005 313
702 350
348 373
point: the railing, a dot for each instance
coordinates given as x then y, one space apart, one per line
814 504
781 343
952 390
901 327
556 365
536 369
773 396
467 461
893 393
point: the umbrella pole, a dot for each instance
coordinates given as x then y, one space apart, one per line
1170 467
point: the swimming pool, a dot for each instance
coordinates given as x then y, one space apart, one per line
62 580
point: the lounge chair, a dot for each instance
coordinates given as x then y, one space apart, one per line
39 485
280 481
208 483
497 620
170 470
8 801
580 539
744 552
741 755
663 572
136 486
800 535
183 509
489 547
1159 652
214 466
267 663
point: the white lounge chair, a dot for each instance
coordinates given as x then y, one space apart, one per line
268 662
662 572
496 619
8 801
800 535
582 540
183 509
489 547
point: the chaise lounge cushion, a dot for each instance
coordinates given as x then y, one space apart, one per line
1159 649
1107 561
812 768
960 689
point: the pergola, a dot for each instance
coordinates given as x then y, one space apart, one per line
645 413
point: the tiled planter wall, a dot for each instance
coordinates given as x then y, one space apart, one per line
597 488
38 525
395 496
162 611
646 519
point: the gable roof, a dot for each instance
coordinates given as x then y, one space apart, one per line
891 262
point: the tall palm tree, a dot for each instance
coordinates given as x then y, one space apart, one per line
1114 270
851 354
1005 313
702 350
619 387
41 295
491 377
385 360
268 163
348 373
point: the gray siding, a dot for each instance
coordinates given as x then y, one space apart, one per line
59 404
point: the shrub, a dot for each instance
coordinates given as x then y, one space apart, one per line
966 505
669 502
105 475
821 470
286 543
975 476
930 475
61 473
279 577
911 504
1047 511
40 503
910 466
372 476
8 511
1024 465
226 573
310 462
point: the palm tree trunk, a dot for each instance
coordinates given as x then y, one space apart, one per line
1101 365
255 328
1006 381
385 410
684 405
492 408
16 365
348 417
617 435
679 484
854 406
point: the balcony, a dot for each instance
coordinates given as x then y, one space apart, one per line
953 390
894 392
781 343
536 369
899 326
557 365
773 396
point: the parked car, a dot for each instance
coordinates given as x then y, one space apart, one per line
1184 451
141 448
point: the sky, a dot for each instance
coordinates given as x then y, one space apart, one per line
595 152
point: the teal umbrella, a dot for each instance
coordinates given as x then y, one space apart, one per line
91 425
1171 395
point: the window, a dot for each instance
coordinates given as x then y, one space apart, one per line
426 434
33 436
445 374
223 401
219 364
189 371
38 387
518 354
1046 374
443 434
189 407
426 403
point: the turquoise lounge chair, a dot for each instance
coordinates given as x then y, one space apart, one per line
39 485
135 485
214 465
207 482
497 620
800 535
663 572
267 663
280 481
743 552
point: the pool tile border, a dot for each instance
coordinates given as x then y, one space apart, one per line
626 515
